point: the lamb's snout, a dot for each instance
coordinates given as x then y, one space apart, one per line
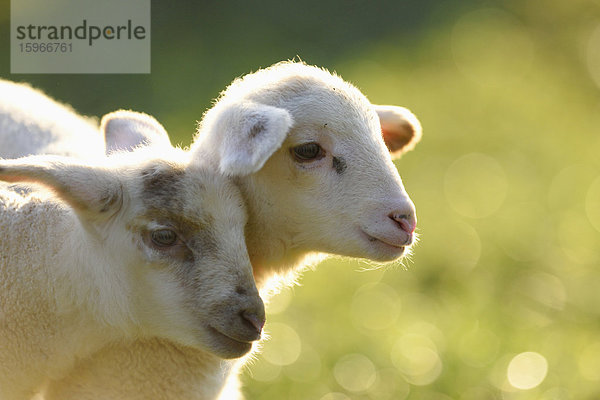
254 319
406 220
392 223
250 318
237 320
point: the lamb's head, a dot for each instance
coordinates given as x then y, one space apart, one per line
167 247
190 228
329 183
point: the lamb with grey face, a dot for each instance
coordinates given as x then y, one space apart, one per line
192 223
133 248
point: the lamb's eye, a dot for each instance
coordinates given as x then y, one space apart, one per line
164 237
308 152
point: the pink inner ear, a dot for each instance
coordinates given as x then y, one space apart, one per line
400 129
398 137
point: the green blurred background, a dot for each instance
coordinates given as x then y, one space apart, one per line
501 299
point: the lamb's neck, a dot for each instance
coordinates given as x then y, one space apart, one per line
273 246
54 253
272 252
268 257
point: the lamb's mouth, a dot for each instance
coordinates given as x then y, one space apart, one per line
219 333
234 347
397 248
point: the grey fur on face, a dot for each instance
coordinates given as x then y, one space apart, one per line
162 182
339 164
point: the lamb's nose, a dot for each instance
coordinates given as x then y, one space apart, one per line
256 320
406 221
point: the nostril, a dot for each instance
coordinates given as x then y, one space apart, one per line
407 222
240 290
256 321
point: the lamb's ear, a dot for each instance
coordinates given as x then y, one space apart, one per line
93 191
243 134
400 128
126 130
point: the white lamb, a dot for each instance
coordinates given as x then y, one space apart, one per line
32 123
329 185
133 248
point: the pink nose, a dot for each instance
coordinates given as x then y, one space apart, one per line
407 222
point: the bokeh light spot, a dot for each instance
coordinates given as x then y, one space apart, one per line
417 359
570 186
389 386
355 372
283 346
527 370
279 302
475 185
375 306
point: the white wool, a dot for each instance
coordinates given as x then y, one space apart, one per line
43 327
55 129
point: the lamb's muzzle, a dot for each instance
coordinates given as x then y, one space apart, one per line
255 320
247 323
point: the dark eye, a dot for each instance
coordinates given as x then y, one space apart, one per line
164 237
308 152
